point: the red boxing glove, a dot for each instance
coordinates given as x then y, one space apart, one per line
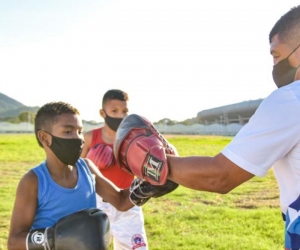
102 155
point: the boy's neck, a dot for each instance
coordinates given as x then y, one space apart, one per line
64 175
108 135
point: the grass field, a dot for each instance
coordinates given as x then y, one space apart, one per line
247 218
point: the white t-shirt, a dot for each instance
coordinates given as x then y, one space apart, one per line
272 138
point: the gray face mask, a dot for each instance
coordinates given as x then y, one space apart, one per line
283 73
112 122
67 151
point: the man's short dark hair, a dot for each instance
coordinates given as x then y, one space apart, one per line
47 116
288 27
114 94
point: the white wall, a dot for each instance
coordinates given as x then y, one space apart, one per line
25 127
212 129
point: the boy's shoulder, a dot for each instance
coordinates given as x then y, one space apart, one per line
38 167
28 180
89 134
33 173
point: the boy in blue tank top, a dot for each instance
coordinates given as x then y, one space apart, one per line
64 183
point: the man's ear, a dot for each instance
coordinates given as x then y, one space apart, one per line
44 138
102 113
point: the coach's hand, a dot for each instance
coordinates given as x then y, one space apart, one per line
141 191
141 150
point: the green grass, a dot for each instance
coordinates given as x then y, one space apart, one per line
247 218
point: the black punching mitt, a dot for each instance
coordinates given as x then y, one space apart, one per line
86 229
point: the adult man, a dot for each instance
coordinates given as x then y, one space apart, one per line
127 228
271 138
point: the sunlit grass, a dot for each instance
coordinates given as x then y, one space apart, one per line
246 218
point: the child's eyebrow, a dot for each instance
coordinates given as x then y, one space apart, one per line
72 127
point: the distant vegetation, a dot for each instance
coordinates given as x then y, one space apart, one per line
28 116
170 122
15 112
22 117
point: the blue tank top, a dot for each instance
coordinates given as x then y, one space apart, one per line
55 201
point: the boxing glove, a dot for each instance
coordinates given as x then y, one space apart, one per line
102 155
87 229
141 191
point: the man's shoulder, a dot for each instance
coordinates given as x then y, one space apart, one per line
287 94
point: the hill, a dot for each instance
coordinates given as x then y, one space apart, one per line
9 107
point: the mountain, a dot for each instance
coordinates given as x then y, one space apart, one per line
11 108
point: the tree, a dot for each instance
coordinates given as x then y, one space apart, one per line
26 116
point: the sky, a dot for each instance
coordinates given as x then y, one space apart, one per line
174 58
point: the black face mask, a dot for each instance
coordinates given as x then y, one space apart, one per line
283 73
66 150
112 122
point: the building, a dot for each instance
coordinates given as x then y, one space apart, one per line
234 113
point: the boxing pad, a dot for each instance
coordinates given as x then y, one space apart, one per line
141 150
87 229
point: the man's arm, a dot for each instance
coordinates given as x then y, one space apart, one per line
109 191
141 150
213 174
23 212
87 143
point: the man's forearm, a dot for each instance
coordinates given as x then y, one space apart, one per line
213 174
194 172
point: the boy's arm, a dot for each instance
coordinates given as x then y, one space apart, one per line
109 191
23 212
87 143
